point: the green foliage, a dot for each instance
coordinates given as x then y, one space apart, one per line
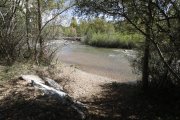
69 32
100 25
82 28
116 40
124 26
51 4
52 31
101 33
73 23
25 24
17 69
96 26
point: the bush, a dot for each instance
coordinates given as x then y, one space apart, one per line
116 40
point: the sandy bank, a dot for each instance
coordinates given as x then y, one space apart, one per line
79 84
82 85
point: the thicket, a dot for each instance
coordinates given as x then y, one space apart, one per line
100 33
115 40
25 26
105 34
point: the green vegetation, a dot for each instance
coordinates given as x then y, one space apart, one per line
100 33
115 40
14 71
106 34
53 31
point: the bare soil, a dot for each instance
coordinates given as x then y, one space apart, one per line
82 85
107 99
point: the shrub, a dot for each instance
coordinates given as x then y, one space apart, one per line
116 40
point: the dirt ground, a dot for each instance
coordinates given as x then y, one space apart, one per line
106 99
82 85
19 101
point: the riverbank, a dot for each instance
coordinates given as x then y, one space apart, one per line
19 100
106 99
79 84
82 85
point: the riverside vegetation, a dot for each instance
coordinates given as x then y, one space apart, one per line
115 40
100 33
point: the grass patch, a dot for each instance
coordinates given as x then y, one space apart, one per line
17 69
8 73
116 40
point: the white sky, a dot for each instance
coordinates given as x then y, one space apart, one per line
63 19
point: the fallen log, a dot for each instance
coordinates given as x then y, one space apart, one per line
51 88
54 84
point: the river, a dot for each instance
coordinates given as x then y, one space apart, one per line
111 63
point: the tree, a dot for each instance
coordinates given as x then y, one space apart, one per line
22 27
27 25
44 9
11 31
82 27
73 23
73 27
39 37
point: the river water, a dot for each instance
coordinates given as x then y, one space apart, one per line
111 63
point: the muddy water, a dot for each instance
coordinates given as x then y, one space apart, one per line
112 63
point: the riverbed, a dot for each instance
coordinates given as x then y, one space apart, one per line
111 63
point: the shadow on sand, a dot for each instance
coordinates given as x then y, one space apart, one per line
124 101
20 107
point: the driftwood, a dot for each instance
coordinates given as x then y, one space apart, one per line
53 84
51 88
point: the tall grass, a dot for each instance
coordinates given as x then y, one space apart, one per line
115 40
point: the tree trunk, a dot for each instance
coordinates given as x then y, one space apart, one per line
27 25
148 25
40 39
145 74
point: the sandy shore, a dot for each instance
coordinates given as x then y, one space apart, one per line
79 84
82 85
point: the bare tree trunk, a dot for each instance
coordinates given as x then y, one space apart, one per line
40 39
27 25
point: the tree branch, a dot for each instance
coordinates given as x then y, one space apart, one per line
56 16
